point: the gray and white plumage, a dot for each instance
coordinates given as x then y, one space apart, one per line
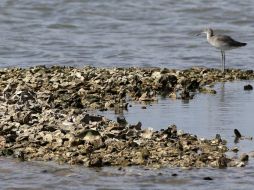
222 42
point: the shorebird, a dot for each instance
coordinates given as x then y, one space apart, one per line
222 42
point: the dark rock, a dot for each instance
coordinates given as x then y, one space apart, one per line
126 106
95 118
222 162
244 157
167 82
48 128
44 171
86 119
249 72
237 133
193 85
248 87
186 95
137 126
207 178
218 137
10 138
7 152
235 149
121 120
171 131
164 70
96 162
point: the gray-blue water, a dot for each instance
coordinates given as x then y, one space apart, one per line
123 33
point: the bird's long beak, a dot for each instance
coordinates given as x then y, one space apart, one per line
198 34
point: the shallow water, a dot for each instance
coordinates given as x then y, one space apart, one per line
38 175
205 115
122 33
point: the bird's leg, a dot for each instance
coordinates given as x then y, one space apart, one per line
222 60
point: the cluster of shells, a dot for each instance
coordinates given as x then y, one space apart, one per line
43 116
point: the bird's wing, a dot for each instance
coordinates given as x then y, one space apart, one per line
227 40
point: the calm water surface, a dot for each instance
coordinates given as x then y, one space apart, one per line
123 33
